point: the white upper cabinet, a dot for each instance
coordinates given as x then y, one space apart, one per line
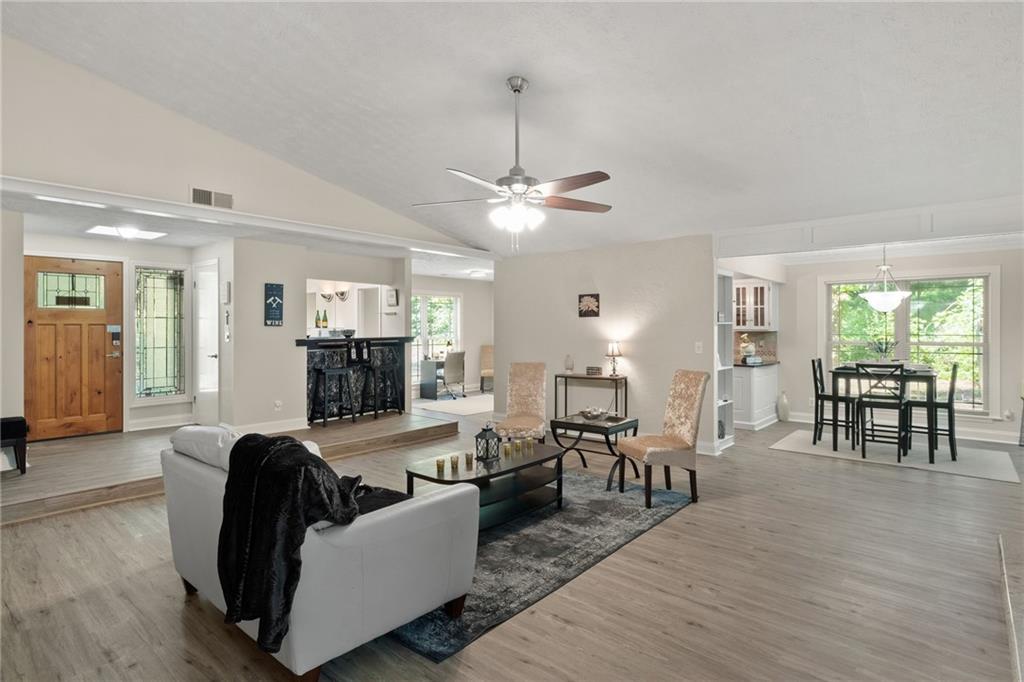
755 304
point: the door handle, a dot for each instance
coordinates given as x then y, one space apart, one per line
214 356
115 354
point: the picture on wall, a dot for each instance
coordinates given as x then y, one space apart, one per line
273 305
392 297
590 305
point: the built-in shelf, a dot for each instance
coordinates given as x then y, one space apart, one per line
725 367
725 322
723 403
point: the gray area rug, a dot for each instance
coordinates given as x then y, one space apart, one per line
523 561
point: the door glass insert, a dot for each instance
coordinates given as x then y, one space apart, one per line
69 290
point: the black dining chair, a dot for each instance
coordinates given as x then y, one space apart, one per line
946 405
882 387
823 402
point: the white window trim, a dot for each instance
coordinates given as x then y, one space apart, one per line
458 323
993 411
186 331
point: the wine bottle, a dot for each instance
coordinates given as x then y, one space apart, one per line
326 326
317 324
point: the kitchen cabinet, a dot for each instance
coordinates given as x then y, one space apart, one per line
755 305
755 390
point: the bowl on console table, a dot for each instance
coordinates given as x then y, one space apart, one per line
593 412
348 333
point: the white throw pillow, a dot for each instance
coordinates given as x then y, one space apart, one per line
204 443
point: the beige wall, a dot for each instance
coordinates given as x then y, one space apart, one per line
267 365
657 298
12 316
224 253
477 315
66 125
802 324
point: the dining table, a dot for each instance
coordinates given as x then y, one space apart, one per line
912 374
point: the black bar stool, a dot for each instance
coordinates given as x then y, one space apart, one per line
387 382
344 375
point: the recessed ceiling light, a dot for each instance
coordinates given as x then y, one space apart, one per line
437 253
158 214
125 232
479 273
76 202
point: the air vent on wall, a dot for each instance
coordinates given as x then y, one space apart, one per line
208 197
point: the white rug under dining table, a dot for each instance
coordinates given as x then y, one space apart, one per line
993 465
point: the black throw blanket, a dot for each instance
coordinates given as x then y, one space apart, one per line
276 489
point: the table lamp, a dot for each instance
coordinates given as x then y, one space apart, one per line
613 353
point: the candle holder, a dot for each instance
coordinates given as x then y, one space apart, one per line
469 461
506 449
455 463
440 466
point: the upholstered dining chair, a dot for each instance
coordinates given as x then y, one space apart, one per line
486 365
677 444
524 413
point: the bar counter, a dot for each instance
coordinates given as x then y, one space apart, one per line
362 353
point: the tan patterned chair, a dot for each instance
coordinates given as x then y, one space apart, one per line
486 366
526 402
677 444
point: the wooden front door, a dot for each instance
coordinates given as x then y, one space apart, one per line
73 347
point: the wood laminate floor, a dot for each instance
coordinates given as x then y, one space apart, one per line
88 470
791 567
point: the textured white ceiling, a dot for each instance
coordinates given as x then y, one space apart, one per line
707 116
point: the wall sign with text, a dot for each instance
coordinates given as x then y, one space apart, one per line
273 305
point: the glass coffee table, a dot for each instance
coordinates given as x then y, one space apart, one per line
509 485
607 428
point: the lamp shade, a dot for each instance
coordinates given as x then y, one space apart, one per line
613 350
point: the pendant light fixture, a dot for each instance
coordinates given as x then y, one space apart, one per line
884 294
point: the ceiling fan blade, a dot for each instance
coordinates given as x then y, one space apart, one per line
479 181
570 183
455 201
576 205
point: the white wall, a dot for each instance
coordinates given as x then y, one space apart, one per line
139 415
12 316
657 298
477 315
770 268
802 324
224 253
66 125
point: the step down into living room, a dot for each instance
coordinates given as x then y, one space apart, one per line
75 473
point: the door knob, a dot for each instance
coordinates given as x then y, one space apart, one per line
214 356
115 354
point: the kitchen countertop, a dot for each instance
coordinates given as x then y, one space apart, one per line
767 363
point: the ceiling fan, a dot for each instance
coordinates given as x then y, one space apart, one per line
520 195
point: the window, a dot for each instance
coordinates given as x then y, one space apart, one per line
69 290
943 322
159 336
435 323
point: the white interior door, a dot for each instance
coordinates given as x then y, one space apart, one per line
207 364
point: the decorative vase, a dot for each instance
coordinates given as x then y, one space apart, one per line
783 407
569 365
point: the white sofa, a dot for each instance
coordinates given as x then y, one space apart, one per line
358 581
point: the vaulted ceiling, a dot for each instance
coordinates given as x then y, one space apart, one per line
707 116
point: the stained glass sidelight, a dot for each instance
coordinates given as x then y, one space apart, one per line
159 341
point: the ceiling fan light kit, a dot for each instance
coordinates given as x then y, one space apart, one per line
521 194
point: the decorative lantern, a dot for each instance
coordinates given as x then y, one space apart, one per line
487 443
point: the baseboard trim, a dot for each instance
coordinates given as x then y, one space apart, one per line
758 425
158 423
1011 627
964 430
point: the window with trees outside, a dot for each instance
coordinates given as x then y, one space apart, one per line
944 321
159 333
435 327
